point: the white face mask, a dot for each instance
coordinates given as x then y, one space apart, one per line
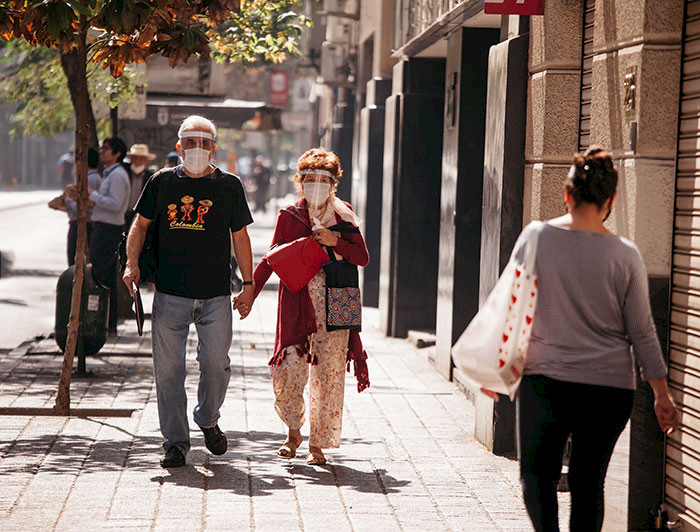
137 169
316 193
196 160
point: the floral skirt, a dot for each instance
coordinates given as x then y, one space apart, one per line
326 378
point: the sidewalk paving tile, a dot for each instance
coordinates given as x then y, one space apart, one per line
408 460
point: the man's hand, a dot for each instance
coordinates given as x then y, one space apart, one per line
243 302
325 237
131 273
72 192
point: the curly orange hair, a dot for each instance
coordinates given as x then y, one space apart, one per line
318 159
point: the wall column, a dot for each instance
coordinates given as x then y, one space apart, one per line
367 183
411 197
643 38
462 185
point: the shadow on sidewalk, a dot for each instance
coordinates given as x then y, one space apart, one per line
221 476
255 481
76 454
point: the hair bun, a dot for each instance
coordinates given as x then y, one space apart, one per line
592 178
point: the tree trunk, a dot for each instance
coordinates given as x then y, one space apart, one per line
83 133
72 66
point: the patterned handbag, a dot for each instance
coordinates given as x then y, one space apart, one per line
343 301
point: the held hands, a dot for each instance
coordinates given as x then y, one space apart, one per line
243 302
131 273
326 238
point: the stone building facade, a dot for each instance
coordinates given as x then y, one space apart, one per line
464 128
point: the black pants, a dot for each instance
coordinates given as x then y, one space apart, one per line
72 240
104 242
548 411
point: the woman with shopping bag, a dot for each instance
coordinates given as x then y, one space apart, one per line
592 307
317 325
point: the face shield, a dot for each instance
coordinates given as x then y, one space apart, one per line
316 188
197 147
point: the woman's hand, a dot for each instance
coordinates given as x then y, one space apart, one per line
326 237
490 393
664 407
666 414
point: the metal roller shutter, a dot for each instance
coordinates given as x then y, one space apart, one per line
584 130
682 478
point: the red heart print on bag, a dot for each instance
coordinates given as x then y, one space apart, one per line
517 272
501 363
528 320
513 298
505 338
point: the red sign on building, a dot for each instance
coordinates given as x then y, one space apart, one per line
279 88
514 7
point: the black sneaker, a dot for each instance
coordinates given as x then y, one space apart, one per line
215 439
173 458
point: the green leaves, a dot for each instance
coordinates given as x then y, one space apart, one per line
60 17
123 16
33 79
263 31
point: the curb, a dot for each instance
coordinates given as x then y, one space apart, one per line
14 357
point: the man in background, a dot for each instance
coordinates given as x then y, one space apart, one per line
172 159
139 158
64 203
111 202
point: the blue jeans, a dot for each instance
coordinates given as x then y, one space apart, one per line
172 316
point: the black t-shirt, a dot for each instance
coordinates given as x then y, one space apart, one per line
192 230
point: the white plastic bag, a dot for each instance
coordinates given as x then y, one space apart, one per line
491 351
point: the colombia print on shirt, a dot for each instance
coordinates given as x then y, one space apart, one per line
188 210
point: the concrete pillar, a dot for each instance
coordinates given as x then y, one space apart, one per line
411 197
553 106
462 184
502 205
367 182
341 134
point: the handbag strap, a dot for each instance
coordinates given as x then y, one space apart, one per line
329 250
292 211
531 248
344 227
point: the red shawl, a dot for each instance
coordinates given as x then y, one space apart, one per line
295 313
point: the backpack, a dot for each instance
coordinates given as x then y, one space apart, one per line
148 259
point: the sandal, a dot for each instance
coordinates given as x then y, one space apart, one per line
316 456
289 448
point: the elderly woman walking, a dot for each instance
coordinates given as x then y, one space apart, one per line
305 351
592 322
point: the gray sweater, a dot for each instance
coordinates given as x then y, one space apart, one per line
592 306
112 198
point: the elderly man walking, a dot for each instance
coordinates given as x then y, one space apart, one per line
196 208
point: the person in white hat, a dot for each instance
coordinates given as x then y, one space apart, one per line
139 157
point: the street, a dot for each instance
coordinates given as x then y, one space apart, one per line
33 238
408 460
